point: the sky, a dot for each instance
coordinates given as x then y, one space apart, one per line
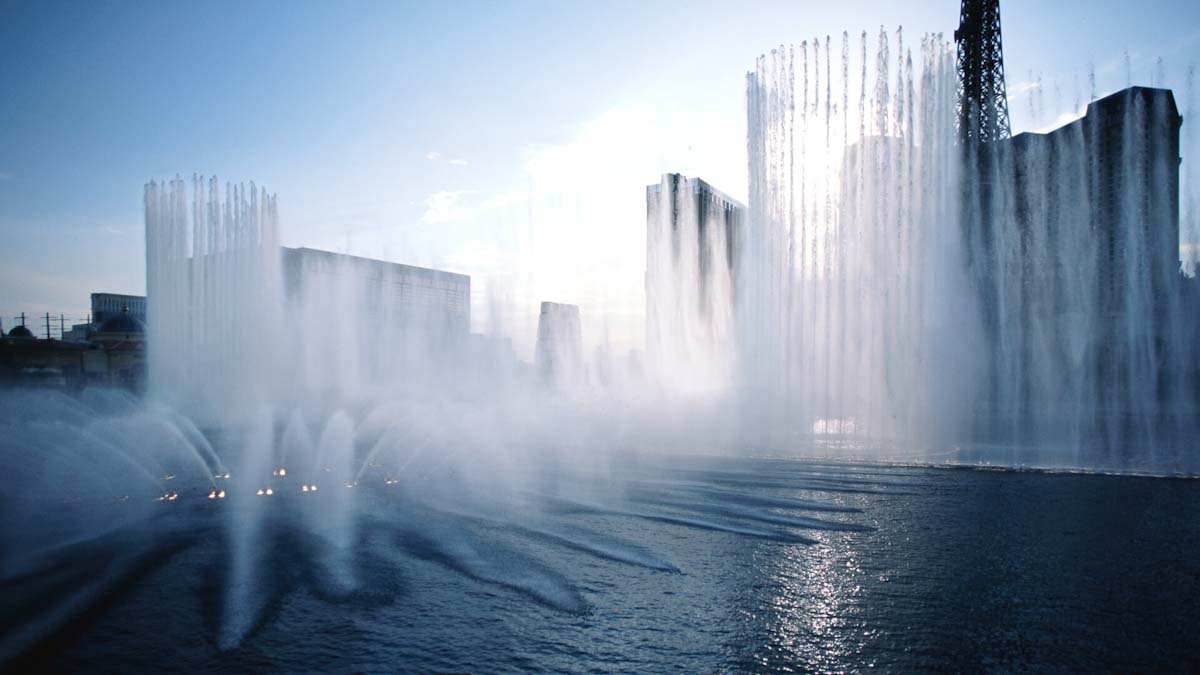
511 141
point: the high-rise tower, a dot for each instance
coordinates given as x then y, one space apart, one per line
982 100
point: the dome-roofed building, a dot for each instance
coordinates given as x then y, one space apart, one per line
29 361
111 352
121 356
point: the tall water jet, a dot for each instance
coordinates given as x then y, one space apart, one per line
213 297
245 592
850 310
331 516
1018 301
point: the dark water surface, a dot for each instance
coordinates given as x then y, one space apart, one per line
711 564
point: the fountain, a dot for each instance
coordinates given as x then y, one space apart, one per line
891 296
853 314
1017 302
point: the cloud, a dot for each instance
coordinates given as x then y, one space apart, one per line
433 155
448 206
461 206
458 162
572 228
611 151
5 176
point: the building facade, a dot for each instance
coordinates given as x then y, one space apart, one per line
559 351
693 237
359 321
107 305
1072 244
385 290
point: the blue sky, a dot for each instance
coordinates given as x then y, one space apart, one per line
510 141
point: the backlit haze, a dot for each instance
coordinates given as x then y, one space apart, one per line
509 142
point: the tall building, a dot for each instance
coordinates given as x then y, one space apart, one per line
359 321
1102 191
693 235
438 301
559 352
1072 241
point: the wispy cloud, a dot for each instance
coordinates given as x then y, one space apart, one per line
458 162
574 227
5 176
448 206
433 155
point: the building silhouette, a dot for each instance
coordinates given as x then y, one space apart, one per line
113 353
693 239
435 302
1072 244
559 351
108 305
